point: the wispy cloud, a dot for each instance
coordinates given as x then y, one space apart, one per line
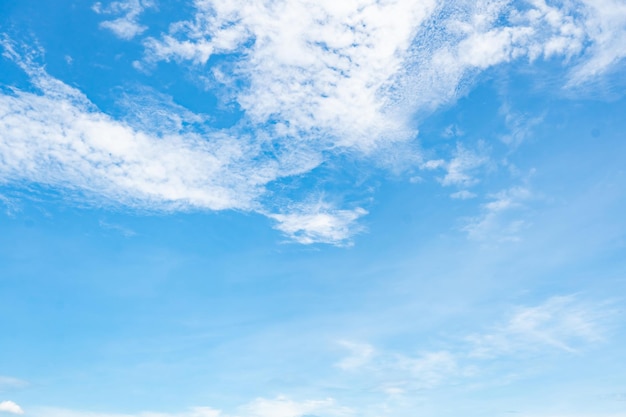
7 382
12 207
10 407
280 406
520 127
127 26
124 231
605 28
319 222
60 139
561 322
463 195
394 374
500 220
360 354
312 79
461 167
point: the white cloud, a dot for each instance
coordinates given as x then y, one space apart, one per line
500 220
319 222
284 407
605 27
10 407
280 406
315 67
452 131
463 195
126 26
460 168
65 142
312 78
561 322
461 165
60 139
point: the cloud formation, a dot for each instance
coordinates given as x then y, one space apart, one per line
500 220
58 138
312 79
309 223
10 407
560 323
127 25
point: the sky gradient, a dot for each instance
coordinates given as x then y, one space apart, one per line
294 208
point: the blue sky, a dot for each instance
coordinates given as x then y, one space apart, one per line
312 208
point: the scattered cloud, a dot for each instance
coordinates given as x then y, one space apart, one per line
561 323
127 26
461 167
463 195
520 127
10 407
311 78
311 223
11 207
500 220
452 131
